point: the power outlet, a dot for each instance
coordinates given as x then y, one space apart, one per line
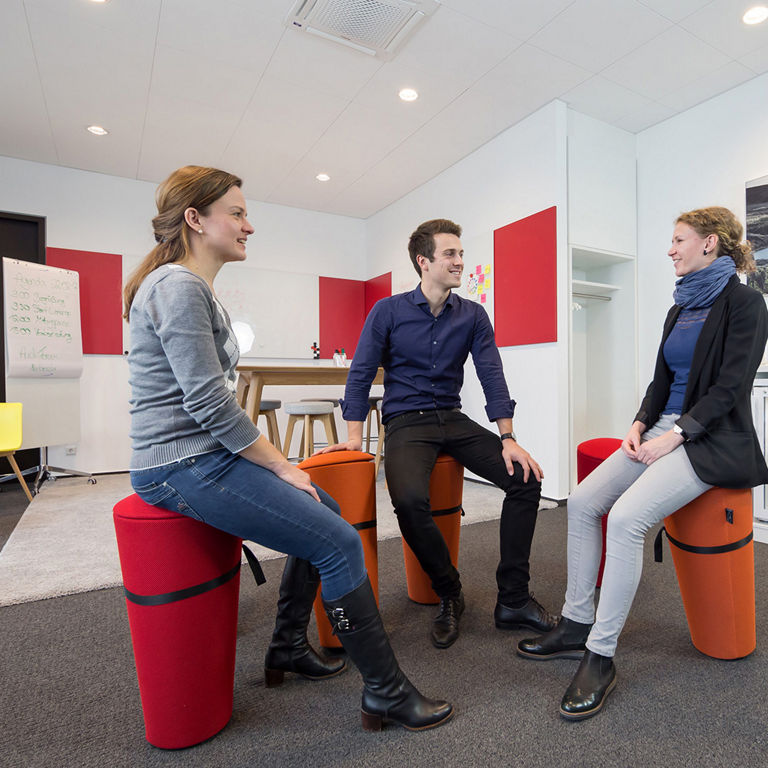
70 450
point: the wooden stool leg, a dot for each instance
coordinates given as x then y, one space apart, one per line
334 433
292 419
18 474
308 441
379 445
368 431
274 432
330 428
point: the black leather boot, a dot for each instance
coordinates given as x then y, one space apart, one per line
566 640
388 695
445 626
290 650
594 680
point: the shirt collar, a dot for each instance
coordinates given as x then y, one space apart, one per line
420 299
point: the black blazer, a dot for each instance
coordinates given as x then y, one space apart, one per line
717 417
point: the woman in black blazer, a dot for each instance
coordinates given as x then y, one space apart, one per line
693 431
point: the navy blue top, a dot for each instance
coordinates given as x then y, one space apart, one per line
423 357
678 353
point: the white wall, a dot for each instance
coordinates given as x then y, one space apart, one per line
96 212
518 173
702 157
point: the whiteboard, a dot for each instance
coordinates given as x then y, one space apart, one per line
42 321
282 308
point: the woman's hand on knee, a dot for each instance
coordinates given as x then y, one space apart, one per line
653 450
632 442
296 477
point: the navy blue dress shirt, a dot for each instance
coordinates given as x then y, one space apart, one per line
423 357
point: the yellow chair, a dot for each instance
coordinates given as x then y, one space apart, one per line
10 438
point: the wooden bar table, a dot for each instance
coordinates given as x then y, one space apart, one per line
253 378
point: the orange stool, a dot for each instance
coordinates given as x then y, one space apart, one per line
347 476
589 456
446 492
714 556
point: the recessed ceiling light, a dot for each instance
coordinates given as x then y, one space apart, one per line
755 15
323 177
99 1
408 94
97 130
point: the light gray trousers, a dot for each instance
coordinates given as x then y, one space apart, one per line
638 496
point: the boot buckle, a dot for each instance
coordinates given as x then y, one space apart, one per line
340 619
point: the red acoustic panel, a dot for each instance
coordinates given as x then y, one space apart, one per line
525 267
342 312
101 277
377 288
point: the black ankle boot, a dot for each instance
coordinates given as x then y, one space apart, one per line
566 640
594 680
290 650
445 626
388 695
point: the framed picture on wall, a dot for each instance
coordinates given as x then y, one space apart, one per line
757 231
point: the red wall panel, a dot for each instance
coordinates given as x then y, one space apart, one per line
342 311
525 271
101 276
377 288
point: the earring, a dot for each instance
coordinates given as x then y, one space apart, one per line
705 250
200 232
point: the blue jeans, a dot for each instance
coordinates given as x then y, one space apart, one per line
228 492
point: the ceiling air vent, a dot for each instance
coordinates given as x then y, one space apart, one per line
375 27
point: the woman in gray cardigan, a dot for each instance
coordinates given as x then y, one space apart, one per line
693 431
195 451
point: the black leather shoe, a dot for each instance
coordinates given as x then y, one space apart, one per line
594 680
445 626
566 640
532 615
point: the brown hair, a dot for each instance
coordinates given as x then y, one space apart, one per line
422 242
719 221
189 187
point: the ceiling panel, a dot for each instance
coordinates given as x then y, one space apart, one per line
604 99
757 61
644 117
594 33
719 24
24 127
675 10
521 18
723 79
668 62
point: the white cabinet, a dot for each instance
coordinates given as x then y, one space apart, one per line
760 415
604 394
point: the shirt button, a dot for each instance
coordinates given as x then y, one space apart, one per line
434 366
434 342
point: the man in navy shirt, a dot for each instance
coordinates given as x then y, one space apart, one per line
422 339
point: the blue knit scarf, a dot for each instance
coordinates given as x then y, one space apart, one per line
700 289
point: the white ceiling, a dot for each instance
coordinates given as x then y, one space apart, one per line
225 83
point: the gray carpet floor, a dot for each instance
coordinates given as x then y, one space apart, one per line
70 698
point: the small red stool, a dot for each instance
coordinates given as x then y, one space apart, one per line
589 456
714 556
348 477
446 492
182 581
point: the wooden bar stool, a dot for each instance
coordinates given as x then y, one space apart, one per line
267 409
335 402
372 409
308 411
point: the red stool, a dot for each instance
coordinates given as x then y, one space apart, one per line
182 581
446 491
347 476
589 455
714 556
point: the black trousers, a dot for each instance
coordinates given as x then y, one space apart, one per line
412 443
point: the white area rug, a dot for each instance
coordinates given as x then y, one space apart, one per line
65 541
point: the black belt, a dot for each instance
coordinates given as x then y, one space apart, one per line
199 589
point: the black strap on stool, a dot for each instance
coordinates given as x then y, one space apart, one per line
449 511
717 550
365 524
198 589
